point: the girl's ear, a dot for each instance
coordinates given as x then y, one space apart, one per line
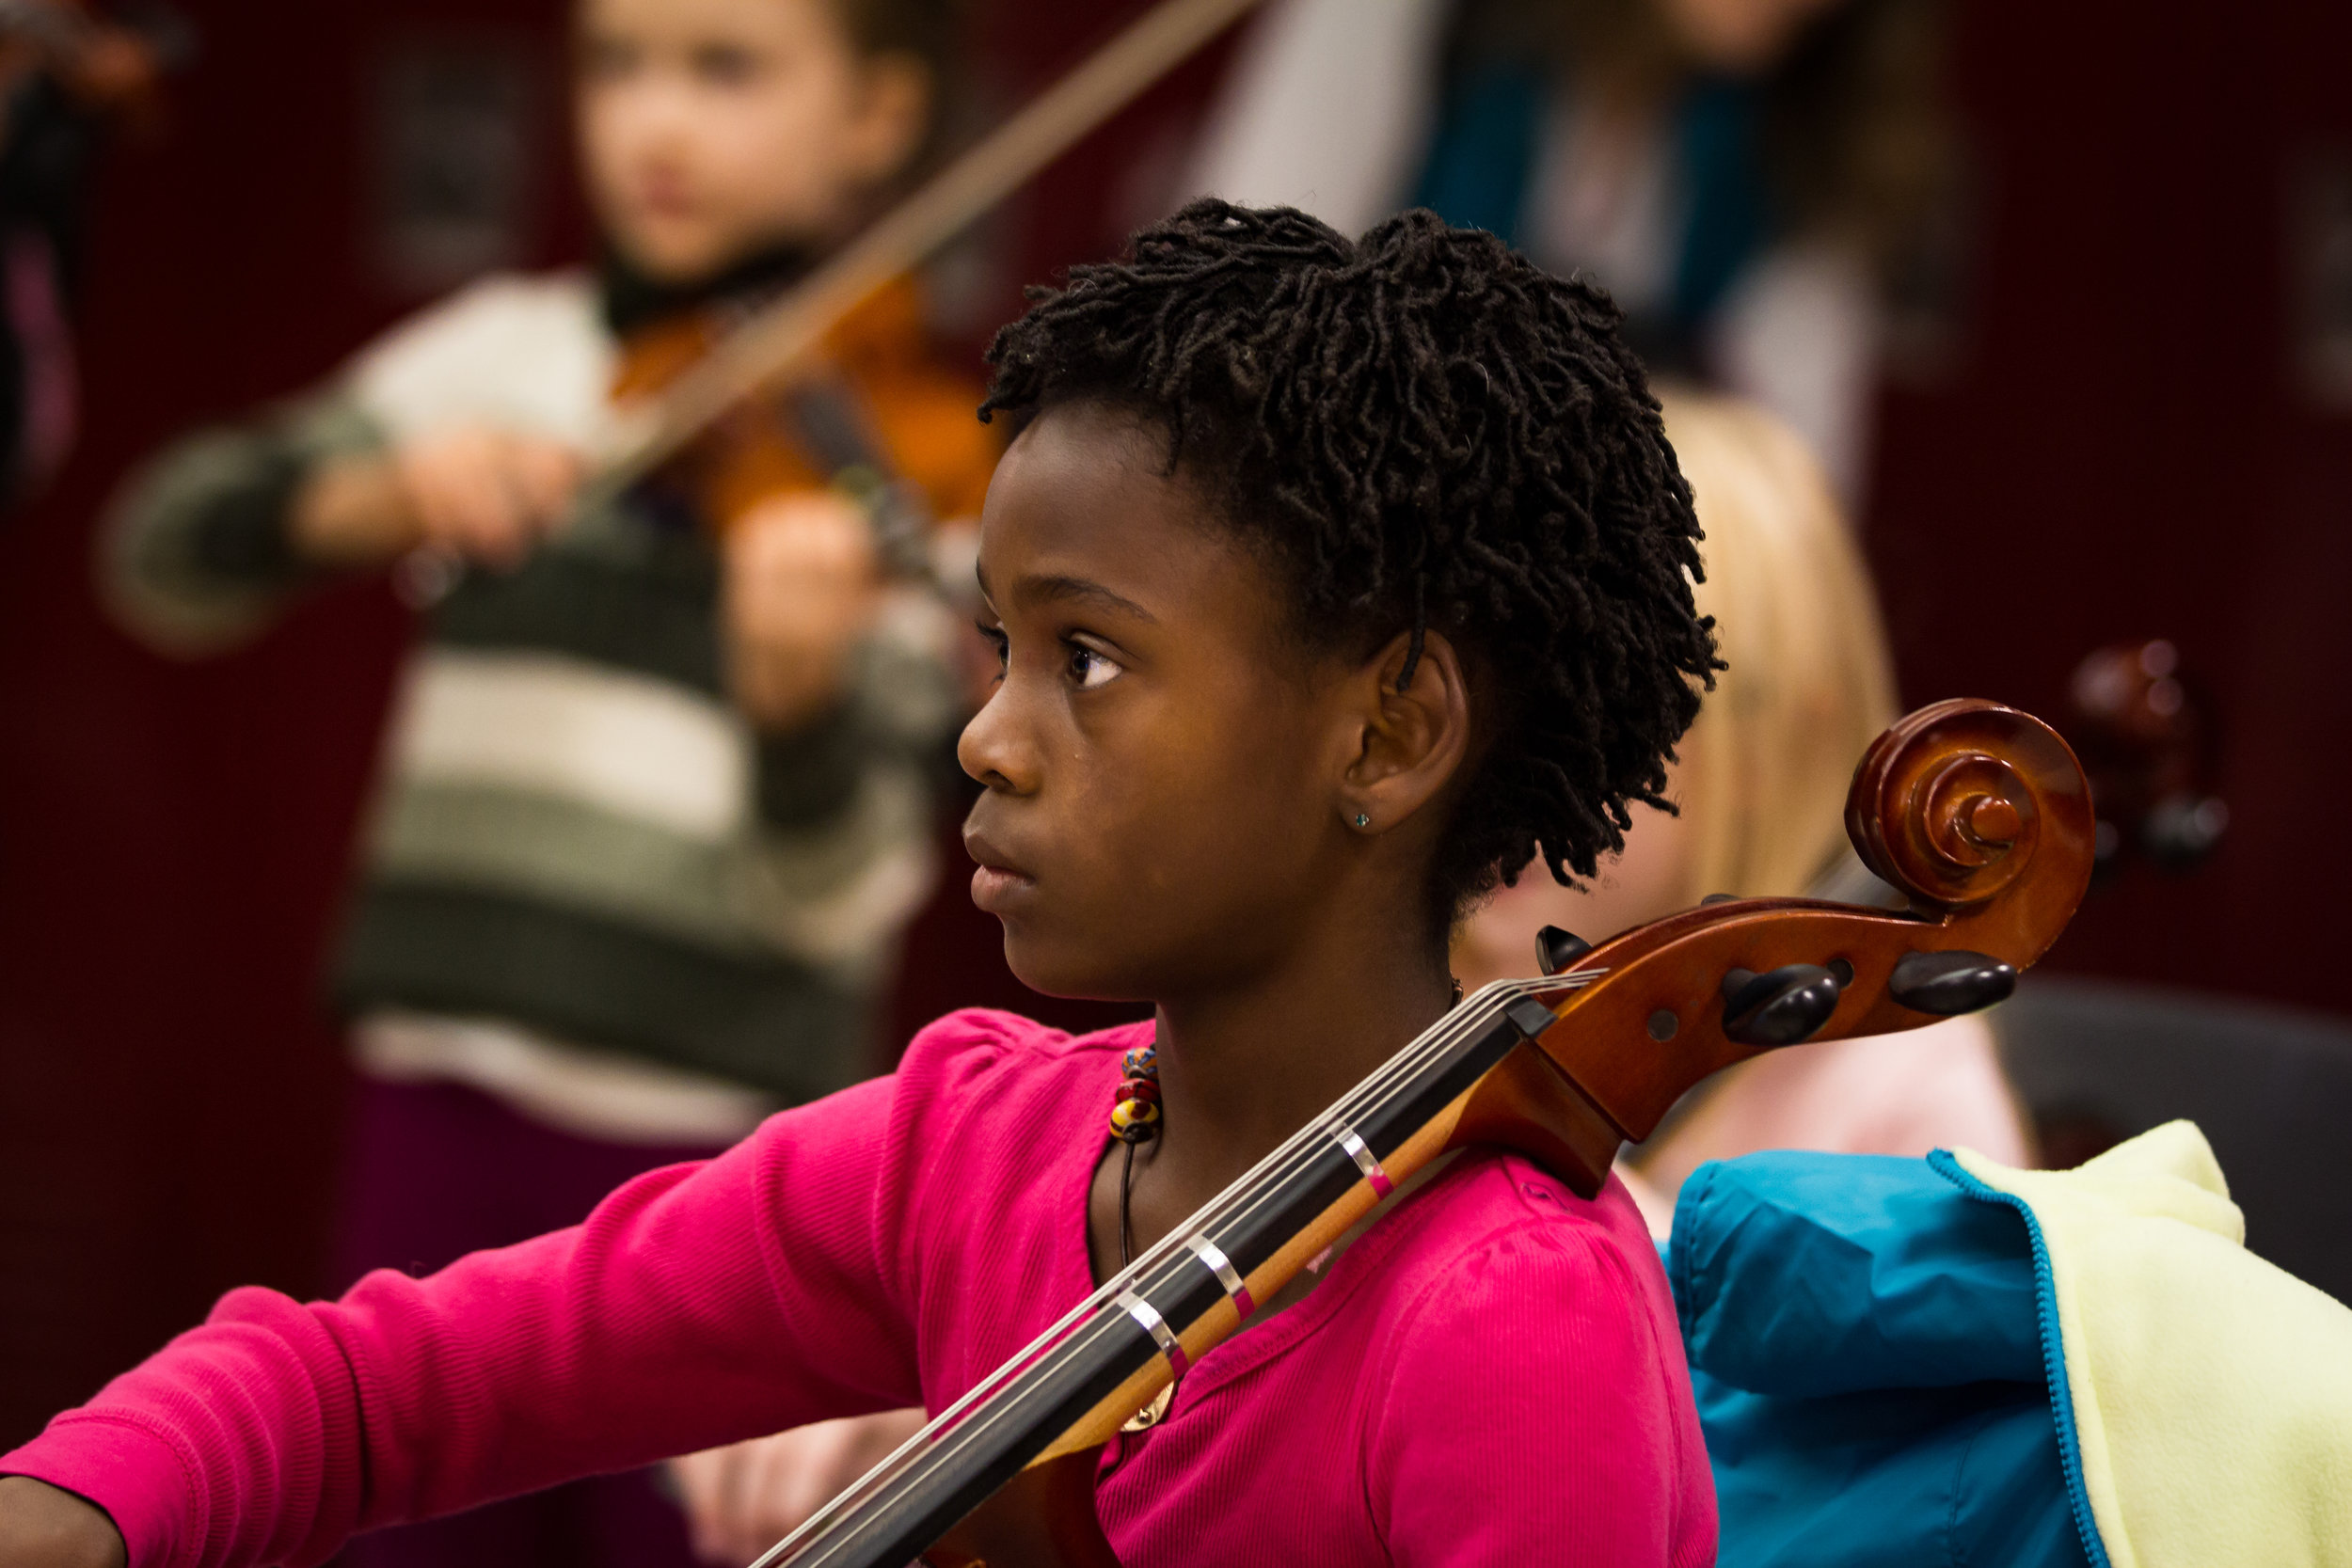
1410 742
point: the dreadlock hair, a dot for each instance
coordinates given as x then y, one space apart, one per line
1423 431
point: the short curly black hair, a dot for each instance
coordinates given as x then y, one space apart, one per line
1428 431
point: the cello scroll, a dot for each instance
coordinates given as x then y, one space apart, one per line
1976 812
1951 803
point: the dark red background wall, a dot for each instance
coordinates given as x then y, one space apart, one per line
2124 449
2117 450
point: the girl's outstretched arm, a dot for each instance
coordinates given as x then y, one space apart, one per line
699 1304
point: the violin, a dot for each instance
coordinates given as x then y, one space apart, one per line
740 402
736 405
1977 813
868 396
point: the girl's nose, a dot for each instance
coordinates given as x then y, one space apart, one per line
992 748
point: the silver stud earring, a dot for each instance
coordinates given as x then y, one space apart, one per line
1362 821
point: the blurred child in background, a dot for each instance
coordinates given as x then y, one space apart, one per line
1761 788
1746 177
658 799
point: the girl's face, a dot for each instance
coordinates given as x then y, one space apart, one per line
712 128
1162 762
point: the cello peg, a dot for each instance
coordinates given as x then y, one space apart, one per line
1949 984
1785 1007
1556 949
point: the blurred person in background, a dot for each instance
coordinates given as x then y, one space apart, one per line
1761 791
1746 177
658 797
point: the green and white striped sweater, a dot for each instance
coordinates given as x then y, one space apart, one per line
577 833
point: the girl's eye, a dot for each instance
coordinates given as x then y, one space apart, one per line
1090 669
994 636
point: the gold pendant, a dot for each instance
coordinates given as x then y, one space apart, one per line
1150 1415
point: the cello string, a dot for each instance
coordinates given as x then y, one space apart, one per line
941 1443
1262 1181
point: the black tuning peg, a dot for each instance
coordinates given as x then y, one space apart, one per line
1949 984
1556 950
1781 1008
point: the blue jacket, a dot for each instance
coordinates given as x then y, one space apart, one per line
1866 1342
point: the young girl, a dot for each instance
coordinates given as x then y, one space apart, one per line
1329 577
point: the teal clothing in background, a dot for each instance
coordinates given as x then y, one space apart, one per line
1483 162
1866 1342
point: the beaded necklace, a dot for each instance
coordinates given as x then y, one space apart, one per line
1135 1119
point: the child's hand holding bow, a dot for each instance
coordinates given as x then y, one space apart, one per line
804 582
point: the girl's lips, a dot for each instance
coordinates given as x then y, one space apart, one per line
993 887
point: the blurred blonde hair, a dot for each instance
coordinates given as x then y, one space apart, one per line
1809 684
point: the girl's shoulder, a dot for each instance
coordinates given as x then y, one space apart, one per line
1497 1232
982 1065
979 1038
999 1122
1525 1310
1491 1327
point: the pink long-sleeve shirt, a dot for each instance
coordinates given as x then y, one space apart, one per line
1493 1375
